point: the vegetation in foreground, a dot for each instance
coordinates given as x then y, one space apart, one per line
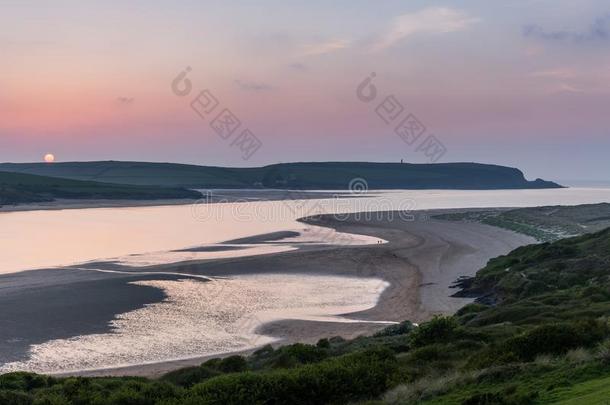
16 188
539 335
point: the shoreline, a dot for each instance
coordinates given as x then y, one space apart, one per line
421 260
69 204
215 196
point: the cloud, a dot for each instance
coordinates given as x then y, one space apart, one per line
321 48
298 66
251 86
560 79
599 30
568 88
125 100
433 20
559 73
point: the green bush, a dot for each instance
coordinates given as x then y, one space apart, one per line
232 364
323 343
263 351
304 354
439 330
491 355
338 380
557 338
15 398
24 381
426 353
187 377
402 328
50 399
473 308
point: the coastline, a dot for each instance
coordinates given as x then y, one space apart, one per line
68 204
421 260
215 196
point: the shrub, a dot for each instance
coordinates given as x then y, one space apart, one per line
233 364
557 338
426 353
263 351
190 376
24 381
304 354
127 396
338 380
399 329
491 355
323 343
438 330
15 398
50 399
473 308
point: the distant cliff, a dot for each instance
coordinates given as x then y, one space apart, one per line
312 175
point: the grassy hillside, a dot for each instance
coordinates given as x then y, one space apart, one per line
18 188
323 175
540 335
546 224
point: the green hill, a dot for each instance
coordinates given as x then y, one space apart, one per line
18 188
322 175
539 334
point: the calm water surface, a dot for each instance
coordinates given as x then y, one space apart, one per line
39 239
222 315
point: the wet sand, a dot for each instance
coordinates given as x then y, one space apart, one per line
421 261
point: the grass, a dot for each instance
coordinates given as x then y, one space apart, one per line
18 188
546 224
593 392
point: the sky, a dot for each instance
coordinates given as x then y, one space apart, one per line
519 83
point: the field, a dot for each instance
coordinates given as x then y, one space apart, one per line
18 188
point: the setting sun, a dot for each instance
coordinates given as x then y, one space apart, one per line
49 158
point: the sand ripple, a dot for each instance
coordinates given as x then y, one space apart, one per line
200 318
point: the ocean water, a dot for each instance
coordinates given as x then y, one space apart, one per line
41 239
202 318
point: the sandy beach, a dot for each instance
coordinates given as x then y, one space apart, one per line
421 260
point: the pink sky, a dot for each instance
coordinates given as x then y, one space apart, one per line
521 83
